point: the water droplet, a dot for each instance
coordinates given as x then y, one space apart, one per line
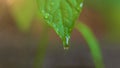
67 40
81 4
66 43
46 15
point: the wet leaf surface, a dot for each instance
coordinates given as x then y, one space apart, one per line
61 16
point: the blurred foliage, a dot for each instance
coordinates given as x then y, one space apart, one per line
110 11
112 16
23 12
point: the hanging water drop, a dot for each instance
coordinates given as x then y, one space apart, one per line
67 40
66 43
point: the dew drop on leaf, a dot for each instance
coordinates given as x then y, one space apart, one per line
61 16
46 15
66 42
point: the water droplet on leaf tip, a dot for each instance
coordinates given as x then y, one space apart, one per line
67 40
66 43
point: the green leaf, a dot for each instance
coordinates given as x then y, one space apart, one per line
61 16
23 11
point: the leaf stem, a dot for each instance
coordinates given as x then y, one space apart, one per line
92 43
41 49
